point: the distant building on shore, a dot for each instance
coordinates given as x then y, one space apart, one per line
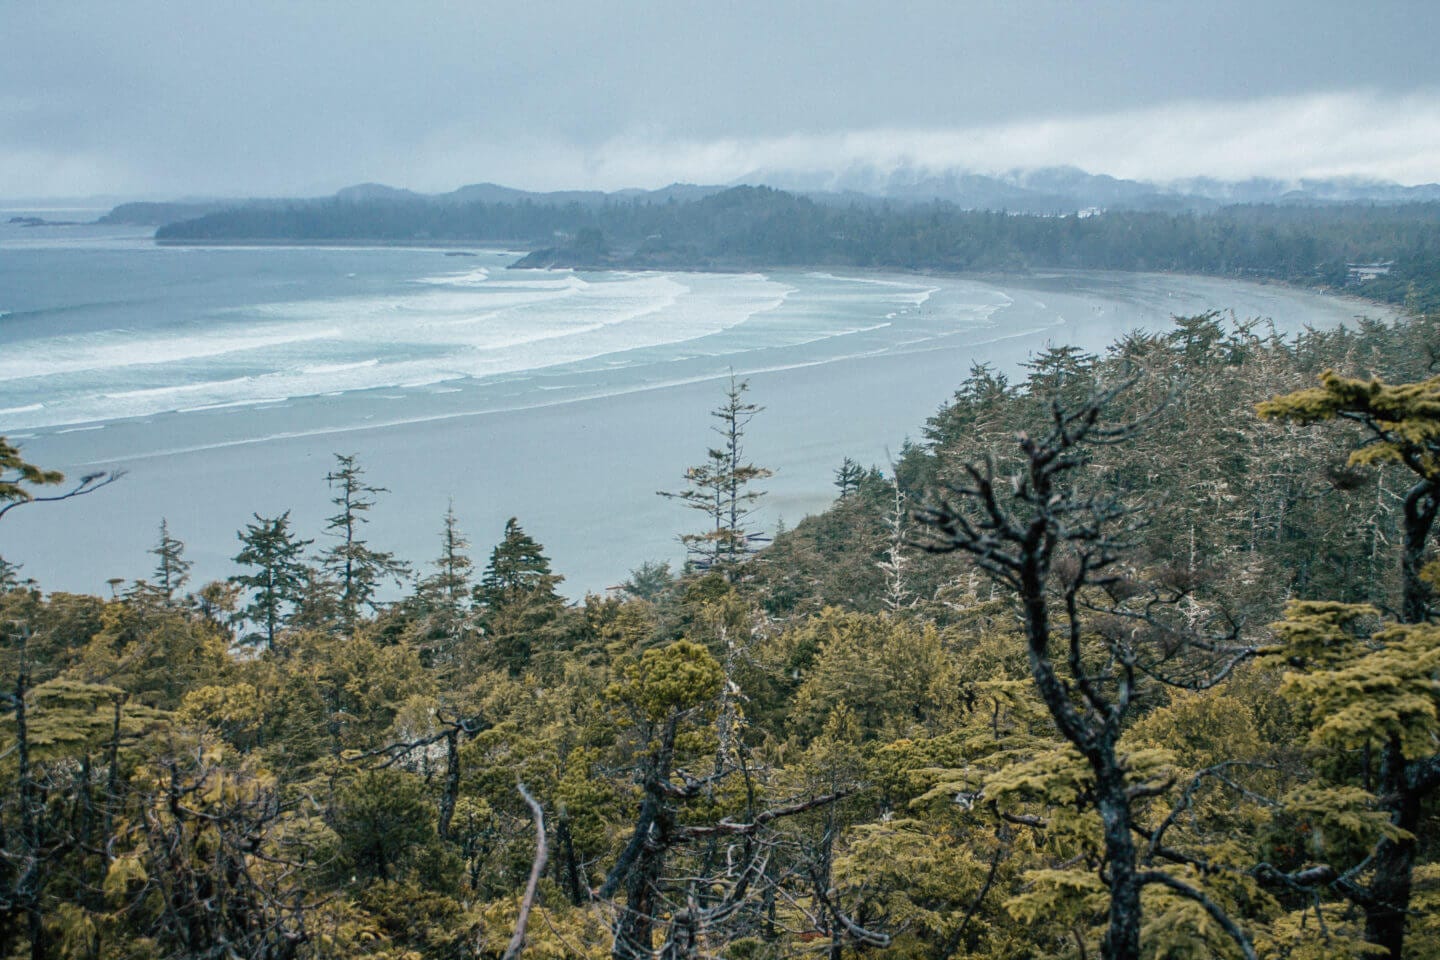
1357 273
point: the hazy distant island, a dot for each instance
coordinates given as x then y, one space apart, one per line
40 222
1379 245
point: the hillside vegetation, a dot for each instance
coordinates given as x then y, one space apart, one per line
1107 664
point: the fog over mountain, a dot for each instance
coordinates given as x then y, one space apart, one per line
268 98
1048 191
1070 189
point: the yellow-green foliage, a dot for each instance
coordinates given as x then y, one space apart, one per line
1424 934
1332 815
555 931
1199 729
1409 414
889 672
670 680
589 803
1361 687
924 878
244 793
67 714
1326 932
14 471
1179 928
904 770
1060 776
76 930
155 653
234 712
1062 899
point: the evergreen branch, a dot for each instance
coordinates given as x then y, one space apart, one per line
1232 930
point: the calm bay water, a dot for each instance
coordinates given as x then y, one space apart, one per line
224 379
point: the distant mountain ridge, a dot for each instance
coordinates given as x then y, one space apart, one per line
1048 191
161 213
493 193
1064 190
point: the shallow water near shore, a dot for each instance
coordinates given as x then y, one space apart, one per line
223 380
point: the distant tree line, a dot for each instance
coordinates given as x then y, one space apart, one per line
756 227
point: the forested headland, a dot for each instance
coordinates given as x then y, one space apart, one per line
1135 656
761 228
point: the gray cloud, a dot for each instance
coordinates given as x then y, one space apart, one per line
283 97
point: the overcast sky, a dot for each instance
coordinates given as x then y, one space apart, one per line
301 97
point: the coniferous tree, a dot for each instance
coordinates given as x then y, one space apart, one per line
317 603
517 596
1381 692
279 577
449 588
443 597
9 575
721 486
848 476
357 569
649 580
172 570
1092 649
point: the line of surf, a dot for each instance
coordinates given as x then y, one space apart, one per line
583 397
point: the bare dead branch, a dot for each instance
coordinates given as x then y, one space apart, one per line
517 942
88 484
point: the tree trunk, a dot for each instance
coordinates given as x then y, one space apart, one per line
1389 905
569 863
452 782
1122 935
1420 506
27 887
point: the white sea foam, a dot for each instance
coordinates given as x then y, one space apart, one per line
621 330
429 336
249 402
180 390
439 377
110 350
873 281
465 279
570 282
324 368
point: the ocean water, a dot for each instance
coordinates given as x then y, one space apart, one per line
223 380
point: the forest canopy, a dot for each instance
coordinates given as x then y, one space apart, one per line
1108 663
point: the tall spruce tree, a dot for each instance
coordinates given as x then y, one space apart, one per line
357 569
448 589
848 476
517 596
278 579
172 570
443 597
721 488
